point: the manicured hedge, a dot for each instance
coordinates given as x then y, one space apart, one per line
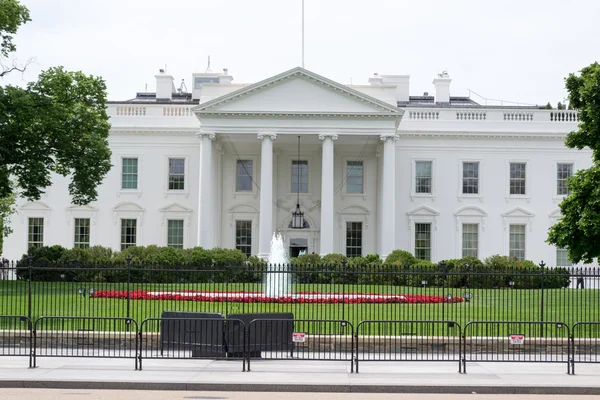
168 265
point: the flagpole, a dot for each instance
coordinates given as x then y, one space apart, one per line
302 33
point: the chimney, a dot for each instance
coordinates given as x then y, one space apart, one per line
375 80
402 86
442 88
225 79
164 86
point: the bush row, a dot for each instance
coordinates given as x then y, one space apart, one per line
168 265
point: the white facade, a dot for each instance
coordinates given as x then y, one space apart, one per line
386 165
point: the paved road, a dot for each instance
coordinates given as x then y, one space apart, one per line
60 394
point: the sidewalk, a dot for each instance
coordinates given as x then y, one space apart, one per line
300 376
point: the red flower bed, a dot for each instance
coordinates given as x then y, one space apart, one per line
295 298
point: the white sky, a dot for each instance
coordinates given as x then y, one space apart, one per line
511 50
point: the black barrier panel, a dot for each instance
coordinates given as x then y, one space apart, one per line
381 340
178 330
16 336
275 329
96 337
515 341
300 339
190 338
585 343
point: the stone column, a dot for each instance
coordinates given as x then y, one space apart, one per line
388 196
205 192
265 224
327 209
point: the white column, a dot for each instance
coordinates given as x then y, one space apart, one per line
388 196
206 192
327 211
265 224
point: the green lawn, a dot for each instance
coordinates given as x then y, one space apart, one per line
62 299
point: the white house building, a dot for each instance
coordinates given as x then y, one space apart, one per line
372 168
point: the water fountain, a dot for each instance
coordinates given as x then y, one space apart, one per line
277 282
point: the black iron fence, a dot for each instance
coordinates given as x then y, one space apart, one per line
323 292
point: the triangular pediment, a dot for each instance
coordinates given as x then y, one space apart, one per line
297 91
555 214
423 211
35 205
81 208
518 212
175 207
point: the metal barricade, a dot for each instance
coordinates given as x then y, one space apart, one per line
300 339
93 337
517 341
192 338
585 343
16 337
408 340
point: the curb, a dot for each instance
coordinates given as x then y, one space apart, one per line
547 390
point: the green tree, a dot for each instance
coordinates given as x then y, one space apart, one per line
57 124
560 106
579 228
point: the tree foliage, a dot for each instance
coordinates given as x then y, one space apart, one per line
579 228
12 16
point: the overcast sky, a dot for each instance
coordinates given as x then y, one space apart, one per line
511 50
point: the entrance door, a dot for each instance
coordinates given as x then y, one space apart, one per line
298 247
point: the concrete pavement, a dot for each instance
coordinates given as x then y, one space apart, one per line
299 376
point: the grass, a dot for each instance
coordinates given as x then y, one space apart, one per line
62 299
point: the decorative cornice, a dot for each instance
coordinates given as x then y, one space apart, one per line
323 136
481 135
283 114
151 132
261 136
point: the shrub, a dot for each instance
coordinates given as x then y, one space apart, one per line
402 257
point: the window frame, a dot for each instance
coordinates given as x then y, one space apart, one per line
480 180
137 189
252 175
413 187
292 176
185 174
176 246
524 240
362 234
121 233
78 244
470 214
251 230
572 164
43 224
430 240
462 239
528 179
283 173
347 176
569 263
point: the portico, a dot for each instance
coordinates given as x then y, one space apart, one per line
340 131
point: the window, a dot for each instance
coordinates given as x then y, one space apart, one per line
423 241
244 176
176 173
353 239
470 184
299 176
129 176
82 233
423 177
355 177
562 258
517 242
517 178
35 238
470 240
199 81
175 233
563 173
243 237
128 233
